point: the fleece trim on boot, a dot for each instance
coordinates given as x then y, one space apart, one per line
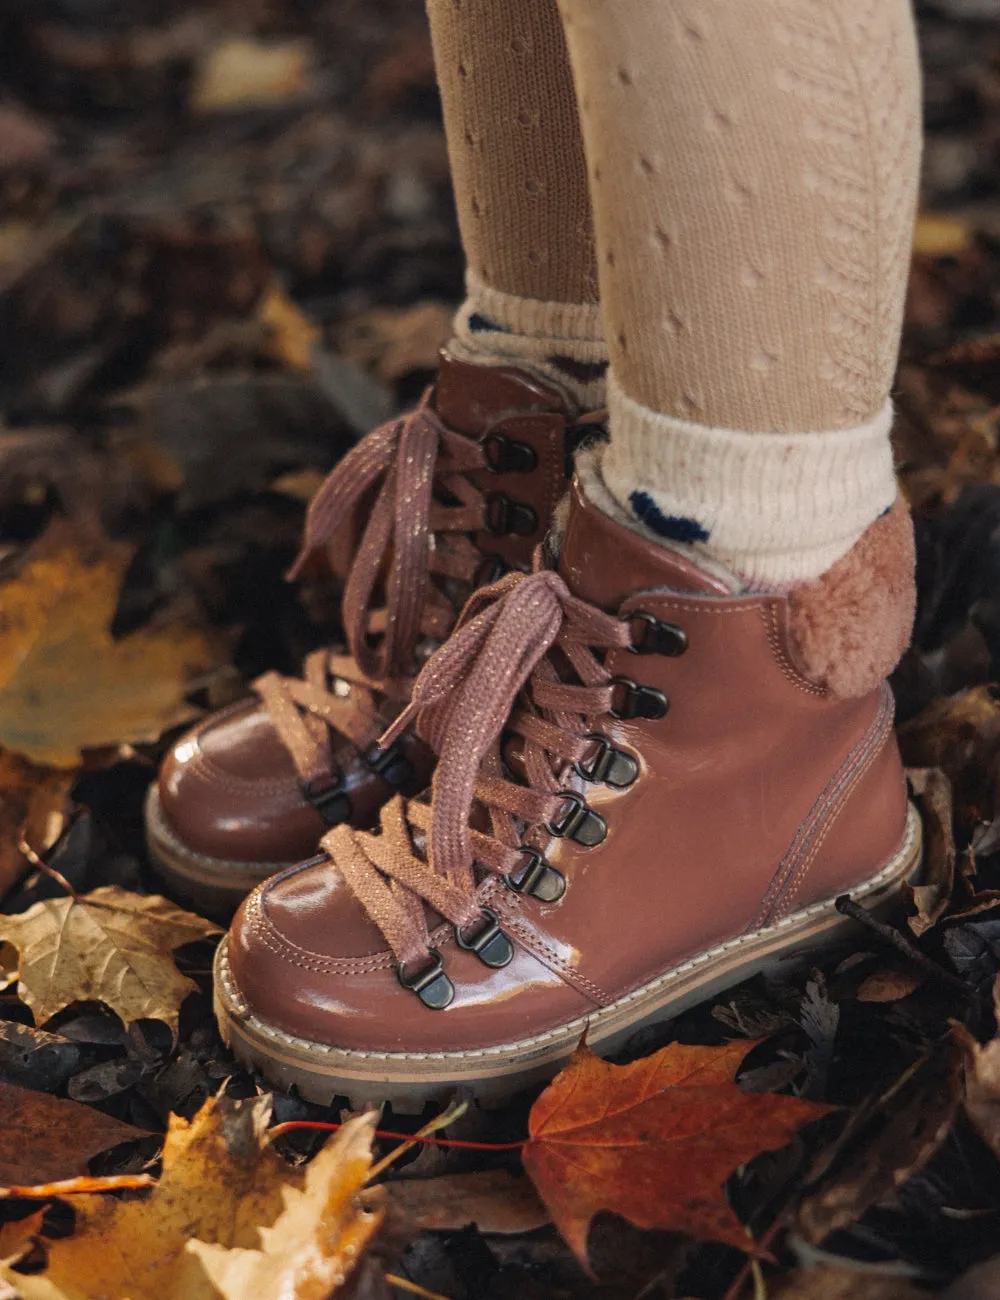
849 627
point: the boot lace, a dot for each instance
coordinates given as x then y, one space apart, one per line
524 664
413 568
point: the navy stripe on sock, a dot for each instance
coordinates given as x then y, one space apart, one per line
675 527
480 324
584 372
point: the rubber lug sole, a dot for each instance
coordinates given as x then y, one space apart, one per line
214 886
409 1080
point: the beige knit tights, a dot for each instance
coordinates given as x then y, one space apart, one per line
753 171
520 183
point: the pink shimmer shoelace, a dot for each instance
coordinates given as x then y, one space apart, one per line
413 538
495 674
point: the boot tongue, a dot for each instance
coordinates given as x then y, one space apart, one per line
604 562
472 399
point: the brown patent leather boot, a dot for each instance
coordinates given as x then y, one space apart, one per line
640 799
414 518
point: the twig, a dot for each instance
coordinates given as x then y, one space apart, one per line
41 865
736 1288
404 1284
890 935
77 1186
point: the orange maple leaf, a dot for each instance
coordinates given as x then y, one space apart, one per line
653 1141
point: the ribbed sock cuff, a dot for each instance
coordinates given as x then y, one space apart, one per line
562 342
776 508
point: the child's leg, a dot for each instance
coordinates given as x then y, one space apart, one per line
521 191
753 172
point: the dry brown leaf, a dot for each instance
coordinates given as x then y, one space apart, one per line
242 73
982 1080
314 1244
493 1199
931 897
66 684
33 803
981 1282
889 985
291 334
43 1138
960 734
885 1142
18 1237
653 1141
395 341
25 140
109 946
845 1284
220 1186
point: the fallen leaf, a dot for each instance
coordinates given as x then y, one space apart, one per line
291 335
960 734
323 1231
493 1199
18 1237
981 1282
242 73
845 1284
66 684
395 341
221 1184
653 1141
939 235
884 1142
25 140
931 897
43 1138
33 802
982 1080
32 1058
108 946
889 985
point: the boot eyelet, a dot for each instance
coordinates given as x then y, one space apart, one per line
539 880
653 637
431 985
331 801
489 942
609 766
638 701
508 456
390 764
504 516
579 822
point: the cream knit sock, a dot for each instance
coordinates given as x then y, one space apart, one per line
776 508
560 341
753 175
521 191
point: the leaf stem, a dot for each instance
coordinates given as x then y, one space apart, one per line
293 1125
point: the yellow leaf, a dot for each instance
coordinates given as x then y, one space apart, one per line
220 1186
110 946
66 684
938 235
243 73
311 1248
292 335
